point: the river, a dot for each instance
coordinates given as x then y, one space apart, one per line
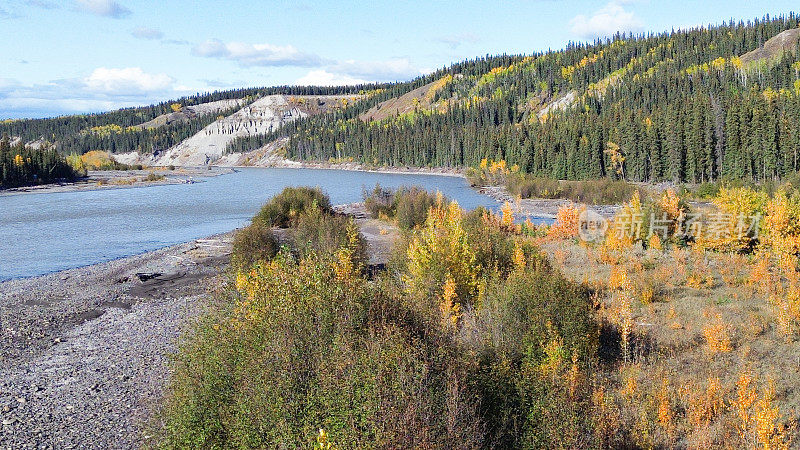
47 232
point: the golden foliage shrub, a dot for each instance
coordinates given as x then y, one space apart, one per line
730 230
781 227
439 251
717 335
566 224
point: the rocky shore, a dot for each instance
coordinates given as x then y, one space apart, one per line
85 351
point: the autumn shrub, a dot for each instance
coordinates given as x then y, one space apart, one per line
730 230
567 222
641 218
316 231
407 206
494 248
284 209
533 336
441 250
781 226
604 191
251 244
490 173
100 160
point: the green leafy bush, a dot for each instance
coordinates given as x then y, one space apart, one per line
323 233
284 209
408 206
251 244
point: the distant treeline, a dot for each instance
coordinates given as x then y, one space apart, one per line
677 106
79 133
21 166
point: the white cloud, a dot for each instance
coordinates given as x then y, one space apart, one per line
130 80
325 78
106 8
44 4
390 70
102 90
256 54
606 21
147 33
455 40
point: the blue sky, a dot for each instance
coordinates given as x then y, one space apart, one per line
67 56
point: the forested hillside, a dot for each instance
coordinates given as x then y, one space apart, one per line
694 106
120 131
20 166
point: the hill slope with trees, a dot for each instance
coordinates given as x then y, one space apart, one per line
681 106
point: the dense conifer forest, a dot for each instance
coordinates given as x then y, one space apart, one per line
21 166
683 106
700 105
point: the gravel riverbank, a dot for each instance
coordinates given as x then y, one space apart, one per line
84 352
121 179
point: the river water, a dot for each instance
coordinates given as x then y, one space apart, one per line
48 232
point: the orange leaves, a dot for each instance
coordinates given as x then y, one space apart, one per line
673 206
567 221
654 243
703 406
761 276
519 257
665 415
699 274
758 418
508 215
769 430
717 335
619 279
